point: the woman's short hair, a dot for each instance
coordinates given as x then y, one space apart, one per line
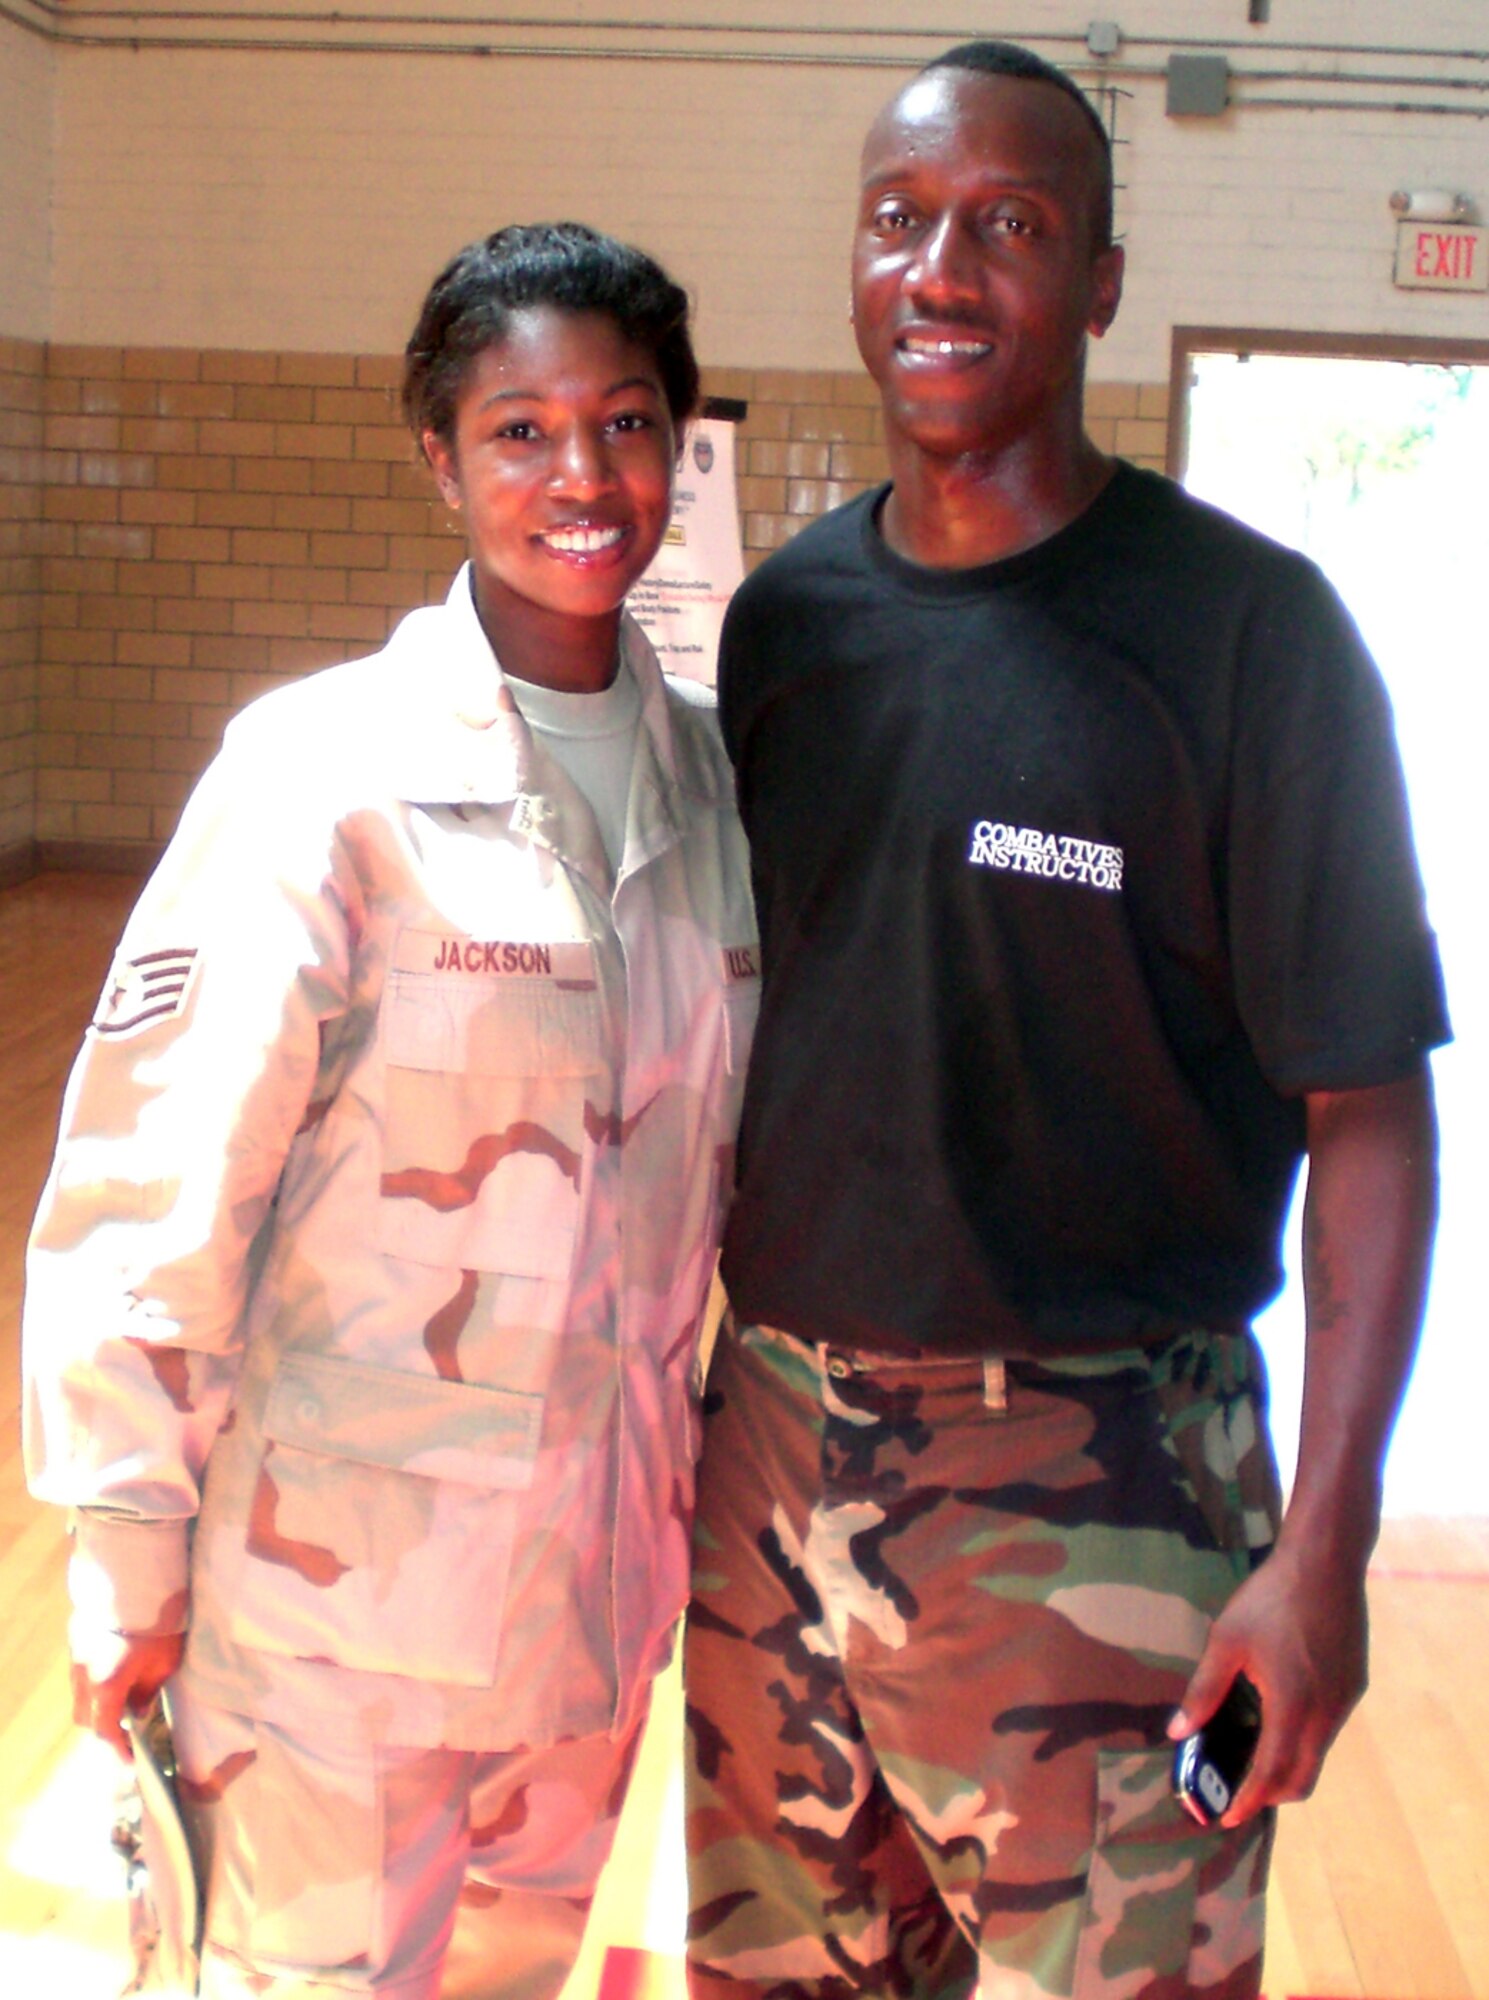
565 265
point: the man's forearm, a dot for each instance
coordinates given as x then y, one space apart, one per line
1369 1217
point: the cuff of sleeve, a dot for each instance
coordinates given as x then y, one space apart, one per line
124 1576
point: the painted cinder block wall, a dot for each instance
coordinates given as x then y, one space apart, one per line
214 522
22 366
209 260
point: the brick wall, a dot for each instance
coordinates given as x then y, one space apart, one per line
812 441
21 465
216 523
206 524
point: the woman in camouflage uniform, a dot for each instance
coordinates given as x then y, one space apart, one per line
364 1293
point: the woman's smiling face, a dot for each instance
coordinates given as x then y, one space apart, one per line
561 464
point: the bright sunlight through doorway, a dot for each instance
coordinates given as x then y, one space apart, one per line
1377 469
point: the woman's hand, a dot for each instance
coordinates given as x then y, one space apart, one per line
147 1664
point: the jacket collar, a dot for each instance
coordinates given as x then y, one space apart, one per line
463 739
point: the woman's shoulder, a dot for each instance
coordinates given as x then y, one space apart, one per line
689 693
339 705
692 718
694 709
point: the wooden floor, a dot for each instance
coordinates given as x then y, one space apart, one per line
1381 1886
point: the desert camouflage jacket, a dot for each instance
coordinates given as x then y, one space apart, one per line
364 1293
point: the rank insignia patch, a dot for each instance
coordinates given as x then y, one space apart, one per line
144 990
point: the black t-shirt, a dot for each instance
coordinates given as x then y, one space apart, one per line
1073 872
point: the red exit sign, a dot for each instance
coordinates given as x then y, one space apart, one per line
1442 256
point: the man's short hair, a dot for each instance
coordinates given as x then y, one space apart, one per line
989 58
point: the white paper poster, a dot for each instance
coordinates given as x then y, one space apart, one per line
680 600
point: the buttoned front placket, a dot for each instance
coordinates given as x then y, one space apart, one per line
657 959
562 823
657 821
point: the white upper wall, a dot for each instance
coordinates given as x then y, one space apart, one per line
1438 24
1279 219
27 72
282 198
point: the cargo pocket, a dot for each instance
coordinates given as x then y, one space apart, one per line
484 1143
1143 1886
298 1860
381 1525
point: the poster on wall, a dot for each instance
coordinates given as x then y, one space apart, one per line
680 600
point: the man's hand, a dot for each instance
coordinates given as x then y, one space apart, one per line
100 1705
1301 1639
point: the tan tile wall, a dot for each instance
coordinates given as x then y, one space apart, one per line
206 524
812 441
215 523
1130 419
21 420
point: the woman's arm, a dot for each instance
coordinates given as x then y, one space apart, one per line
177 1120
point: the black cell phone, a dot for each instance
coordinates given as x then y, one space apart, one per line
1210 1764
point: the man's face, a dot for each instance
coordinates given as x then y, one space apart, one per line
976 273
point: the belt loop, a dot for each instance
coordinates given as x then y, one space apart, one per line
995 1384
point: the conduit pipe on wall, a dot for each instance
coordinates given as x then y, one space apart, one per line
64 15
469 35
867 31
1357 104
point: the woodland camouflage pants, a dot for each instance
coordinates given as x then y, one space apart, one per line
943 1611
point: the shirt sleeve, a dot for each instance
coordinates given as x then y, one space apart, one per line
193 1078
1336 965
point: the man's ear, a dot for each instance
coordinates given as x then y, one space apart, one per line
442 464
1106 288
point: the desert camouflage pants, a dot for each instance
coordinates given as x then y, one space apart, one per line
943 1611
412 1874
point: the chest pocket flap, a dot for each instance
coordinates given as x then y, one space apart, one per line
517 1028
457 1431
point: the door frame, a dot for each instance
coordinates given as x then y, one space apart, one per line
1187 341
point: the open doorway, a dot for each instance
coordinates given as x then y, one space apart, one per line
1373 461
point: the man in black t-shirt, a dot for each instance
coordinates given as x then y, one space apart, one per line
1088 908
